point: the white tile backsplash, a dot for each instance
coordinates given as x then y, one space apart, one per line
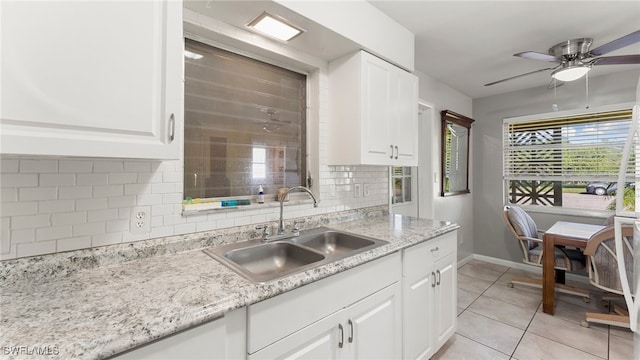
38 166
55 205
75 166
68 218
15 180
37 193
11 208
35 248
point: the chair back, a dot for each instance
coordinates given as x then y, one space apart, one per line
602 262
523 227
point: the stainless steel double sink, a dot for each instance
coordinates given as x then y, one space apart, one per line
261 261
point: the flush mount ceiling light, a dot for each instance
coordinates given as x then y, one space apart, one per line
275 27
571 72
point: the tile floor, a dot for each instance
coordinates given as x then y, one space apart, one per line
498 322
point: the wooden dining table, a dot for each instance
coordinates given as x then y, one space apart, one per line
561 233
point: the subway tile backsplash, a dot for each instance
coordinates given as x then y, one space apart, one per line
54 205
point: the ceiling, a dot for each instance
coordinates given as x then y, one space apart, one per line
466 44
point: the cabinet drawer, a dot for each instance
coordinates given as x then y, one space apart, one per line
418 259
275 318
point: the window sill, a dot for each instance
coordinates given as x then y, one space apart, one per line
600 214
213 205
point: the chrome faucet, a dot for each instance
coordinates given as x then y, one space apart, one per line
284 196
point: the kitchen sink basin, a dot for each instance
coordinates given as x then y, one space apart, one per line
333 242
273 258
261 261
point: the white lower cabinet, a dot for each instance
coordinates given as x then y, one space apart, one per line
402 305
429 296
317 341
224 338
352 315
445 300
369 329
373 326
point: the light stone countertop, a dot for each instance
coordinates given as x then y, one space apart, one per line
107 309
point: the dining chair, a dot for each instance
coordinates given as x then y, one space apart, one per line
530 240
602 266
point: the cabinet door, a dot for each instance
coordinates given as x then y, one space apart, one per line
376 110
417 305
91 78
445 299
317 341
223 338
418 291
374 327
405 124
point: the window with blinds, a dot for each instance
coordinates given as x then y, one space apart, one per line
245 125
565 161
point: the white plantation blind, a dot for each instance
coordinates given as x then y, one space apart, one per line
584 147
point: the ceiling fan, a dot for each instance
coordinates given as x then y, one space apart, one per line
574 58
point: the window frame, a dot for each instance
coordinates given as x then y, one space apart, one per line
403 178
555 209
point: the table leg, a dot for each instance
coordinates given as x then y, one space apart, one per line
548 273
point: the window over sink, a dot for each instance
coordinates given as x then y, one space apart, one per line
245 125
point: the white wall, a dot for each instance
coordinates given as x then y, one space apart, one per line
491 236
457 208
50 205
352 19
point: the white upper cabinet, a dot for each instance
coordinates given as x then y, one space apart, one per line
404 129
373 108
91 78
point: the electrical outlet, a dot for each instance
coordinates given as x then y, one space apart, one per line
357 190
366 190
140 220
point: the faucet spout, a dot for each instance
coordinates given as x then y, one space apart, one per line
300 188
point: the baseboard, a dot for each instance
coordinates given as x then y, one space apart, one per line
465 260
521 266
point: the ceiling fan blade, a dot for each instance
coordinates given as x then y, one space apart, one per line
626 40
616 60
536 56
517 76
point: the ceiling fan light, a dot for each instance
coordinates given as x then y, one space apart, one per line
571 73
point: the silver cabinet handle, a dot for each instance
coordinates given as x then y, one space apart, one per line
391 157
195 180
172 128
396 152
438 277
433 277
351 331
341 342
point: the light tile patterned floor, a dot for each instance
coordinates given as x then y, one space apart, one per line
498 322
